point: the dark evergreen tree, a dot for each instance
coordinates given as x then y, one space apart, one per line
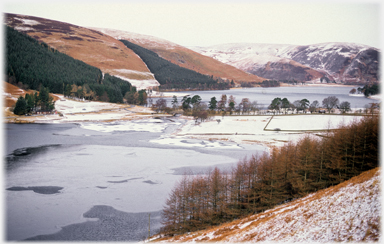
175 103
30 103
213 104
20 107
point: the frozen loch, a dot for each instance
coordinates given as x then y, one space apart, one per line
99 181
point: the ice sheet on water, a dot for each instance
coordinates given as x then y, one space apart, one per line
195 143
109 224
148 125
37 189
84 172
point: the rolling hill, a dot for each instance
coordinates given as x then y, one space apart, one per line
92 47
184 57
102 49
349 211
172 76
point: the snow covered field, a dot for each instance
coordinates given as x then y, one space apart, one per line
67 106
80 111
310 122
250 129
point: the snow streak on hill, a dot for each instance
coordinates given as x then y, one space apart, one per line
145 40
349 211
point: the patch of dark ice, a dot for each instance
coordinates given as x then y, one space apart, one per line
150 182
37 189
123 181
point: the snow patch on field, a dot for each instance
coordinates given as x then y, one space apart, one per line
263 130
310 122
140 84
65 105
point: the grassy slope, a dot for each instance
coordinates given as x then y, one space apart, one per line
89 46
349 211
184 57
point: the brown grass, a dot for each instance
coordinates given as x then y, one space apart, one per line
189 59
205 65
93 48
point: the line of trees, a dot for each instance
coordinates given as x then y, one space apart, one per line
228 105
264 181
270 83
328 103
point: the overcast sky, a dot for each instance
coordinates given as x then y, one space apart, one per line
204 23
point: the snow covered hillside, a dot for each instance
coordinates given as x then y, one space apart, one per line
339 62
349 211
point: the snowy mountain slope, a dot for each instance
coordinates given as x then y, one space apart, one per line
337 58
349 211
183 56
338 62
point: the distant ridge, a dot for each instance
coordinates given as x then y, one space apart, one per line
345 63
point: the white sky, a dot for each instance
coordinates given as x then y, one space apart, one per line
204 23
